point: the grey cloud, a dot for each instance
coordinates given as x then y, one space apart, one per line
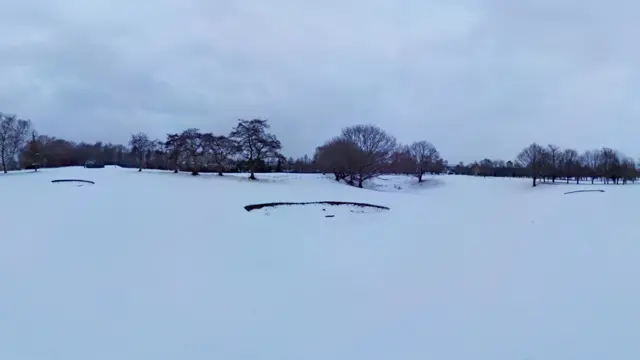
476 77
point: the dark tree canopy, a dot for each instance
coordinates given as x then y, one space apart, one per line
222 149
194 144
255 143
425 157
532 159
374 150
338 156
140 146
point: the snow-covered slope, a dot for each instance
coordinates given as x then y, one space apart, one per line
156 265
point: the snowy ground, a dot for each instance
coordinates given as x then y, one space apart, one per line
156 265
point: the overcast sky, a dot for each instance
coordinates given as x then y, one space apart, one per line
477 78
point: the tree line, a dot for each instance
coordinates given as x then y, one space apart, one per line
550 163
249 146
357 154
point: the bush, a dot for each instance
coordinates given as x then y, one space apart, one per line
92 164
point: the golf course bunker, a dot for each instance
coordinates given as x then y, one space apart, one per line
327 209
583 191
74 182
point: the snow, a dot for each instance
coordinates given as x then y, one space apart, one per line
156 265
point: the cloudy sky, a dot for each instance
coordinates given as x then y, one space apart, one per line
478 78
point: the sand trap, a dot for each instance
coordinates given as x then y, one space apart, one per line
581 191
328 209
77 182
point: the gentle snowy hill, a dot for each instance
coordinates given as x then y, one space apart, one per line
156 265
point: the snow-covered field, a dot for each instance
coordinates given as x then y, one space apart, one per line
156 265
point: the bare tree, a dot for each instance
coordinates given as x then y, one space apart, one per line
424 154
402 162
555 154
20 135
140 145
531 158
609 167
337 156
174 147
155 155
33 151
439 166
628 170
7 124
570 164
254 142
194 146
303 164
590 160
222 149
486 167
14 133
375 149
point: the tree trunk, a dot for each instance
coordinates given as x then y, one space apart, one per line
419 178
534 181
175 171
350 181
195 172
252 169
